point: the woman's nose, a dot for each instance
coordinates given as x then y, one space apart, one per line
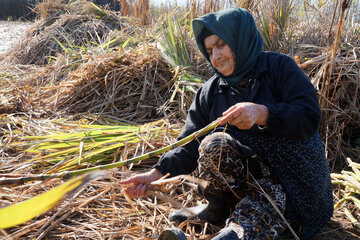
216 54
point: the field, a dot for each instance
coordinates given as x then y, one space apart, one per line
86 87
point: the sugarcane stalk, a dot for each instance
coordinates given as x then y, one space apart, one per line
69 174
339 203
353 220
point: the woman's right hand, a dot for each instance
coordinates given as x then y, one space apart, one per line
140 182
245 114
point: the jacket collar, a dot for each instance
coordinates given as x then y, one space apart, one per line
260 68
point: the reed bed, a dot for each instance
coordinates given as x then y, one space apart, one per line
341 117
334 72
198 8
136 8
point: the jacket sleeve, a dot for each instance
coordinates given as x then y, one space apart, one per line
297 114
183 159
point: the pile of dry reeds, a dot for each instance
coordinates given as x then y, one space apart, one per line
131 86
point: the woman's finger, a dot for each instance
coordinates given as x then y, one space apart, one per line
128 181
139 178
130 191
236 121
139 183
229 110
138 189
142 190
233 115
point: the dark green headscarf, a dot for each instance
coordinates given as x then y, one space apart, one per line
237 28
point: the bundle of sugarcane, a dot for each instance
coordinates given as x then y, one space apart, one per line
73 154
80 146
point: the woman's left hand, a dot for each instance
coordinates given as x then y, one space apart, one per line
245 114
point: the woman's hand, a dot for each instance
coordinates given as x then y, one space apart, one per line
140 182
245 114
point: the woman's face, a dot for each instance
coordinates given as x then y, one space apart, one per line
220 54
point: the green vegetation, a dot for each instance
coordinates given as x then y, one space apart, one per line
175 34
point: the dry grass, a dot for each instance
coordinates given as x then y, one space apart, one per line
131 86
341 116
334 70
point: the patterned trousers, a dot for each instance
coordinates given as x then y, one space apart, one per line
223 163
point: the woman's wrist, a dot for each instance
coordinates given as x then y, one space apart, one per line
155 174
263 115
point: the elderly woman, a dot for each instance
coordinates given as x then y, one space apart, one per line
268 163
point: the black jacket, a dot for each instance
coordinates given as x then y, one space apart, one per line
277 82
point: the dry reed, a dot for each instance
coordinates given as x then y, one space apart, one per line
130 86
198 8
335 73
137 9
